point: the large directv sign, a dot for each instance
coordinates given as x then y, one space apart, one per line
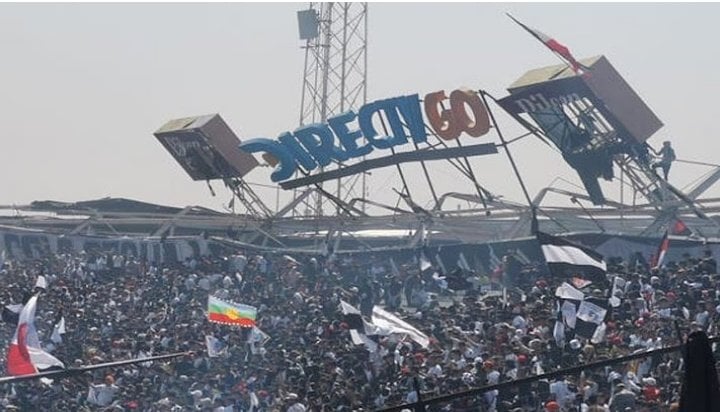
379 125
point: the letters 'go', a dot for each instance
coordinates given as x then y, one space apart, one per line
450 123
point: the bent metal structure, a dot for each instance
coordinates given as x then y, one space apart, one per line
594 118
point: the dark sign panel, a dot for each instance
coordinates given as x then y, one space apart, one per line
552 87
205 147
546 96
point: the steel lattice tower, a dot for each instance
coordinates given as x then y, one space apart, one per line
335 81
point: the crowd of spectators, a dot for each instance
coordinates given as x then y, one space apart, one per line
118 307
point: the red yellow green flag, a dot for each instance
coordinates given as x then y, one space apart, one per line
228 313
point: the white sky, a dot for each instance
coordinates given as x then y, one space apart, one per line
85 85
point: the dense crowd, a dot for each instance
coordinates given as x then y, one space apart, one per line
118 307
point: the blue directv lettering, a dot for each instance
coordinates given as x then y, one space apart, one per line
286 162
318 145
319 142
390 106
368 129
409 107
301 156
348 138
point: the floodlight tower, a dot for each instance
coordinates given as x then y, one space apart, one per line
334 79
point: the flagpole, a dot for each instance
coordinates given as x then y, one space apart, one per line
527 29
555 53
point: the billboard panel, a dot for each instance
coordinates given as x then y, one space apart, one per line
205 147
554 86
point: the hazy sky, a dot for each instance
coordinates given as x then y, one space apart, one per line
85 85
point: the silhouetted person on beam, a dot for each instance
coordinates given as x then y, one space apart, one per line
667 156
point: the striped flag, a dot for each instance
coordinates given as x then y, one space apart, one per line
228 313
361 332
25 356
584 315
662 251
567 260
553 45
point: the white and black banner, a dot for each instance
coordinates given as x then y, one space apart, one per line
361 333
566 259
579 314
383 323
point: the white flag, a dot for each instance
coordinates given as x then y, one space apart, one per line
590 312
599 334
392 324
213 346
618 291
41 282
257 340
362 339
566 291
58 331
568 314
559 334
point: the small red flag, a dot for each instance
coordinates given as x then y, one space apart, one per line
553 45
680 228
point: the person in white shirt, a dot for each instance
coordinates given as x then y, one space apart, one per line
103 394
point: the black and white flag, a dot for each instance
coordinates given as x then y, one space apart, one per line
11 313
383 323
361 332
390 324
583 315
566 259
